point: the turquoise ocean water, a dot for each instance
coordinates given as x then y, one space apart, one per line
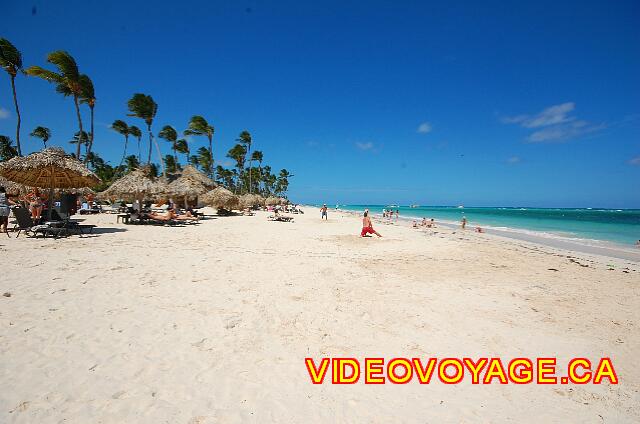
620 226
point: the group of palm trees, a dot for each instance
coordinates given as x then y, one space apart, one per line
70 82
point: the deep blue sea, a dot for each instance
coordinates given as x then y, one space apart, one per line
613 225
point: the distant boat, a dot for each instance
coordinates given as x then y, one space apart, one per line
460 207
414 206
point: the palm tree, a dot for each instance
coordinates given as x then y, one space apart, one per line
122 128
269 181
283 181
171 135
171 164
42 133
67 79
245 138
183 147
225 177
238 154
131 162
135 131
142 106
88 97
7 151
258 157
199 126
204 160
11 61
81 138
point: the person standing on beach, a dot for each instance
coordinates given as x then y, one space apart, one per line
36 203
464 222
4 210
397 213
367 226
323 211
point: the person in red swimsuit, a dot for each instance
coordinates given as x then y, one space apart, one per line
367 226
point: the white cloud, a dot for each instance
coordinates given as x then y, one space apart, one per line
424 128
554 124
635 161
564 132
365 146
513 160
4 113
552 115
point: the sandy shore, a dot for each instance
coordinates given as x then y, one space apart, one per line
212 322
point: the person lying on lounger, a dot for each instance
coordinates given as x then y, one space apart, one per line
170 214
167 216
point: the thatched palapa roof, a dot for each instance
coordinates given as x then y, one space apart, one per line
186 187
13 189
251 201
272 201
221 198
49 168
191 172
135 184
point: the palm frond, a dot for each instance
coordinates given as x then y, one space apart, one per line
66 64
45 74
10 57
120 127
43 133
142 106
168 133
135 131
87 93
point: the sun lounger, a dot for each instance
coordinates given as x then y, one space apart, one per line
47 230
24 223
280 218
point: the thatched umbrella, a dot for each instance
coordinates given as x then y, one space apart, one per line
137 185
251 201
221 199
187 188
13 189
83 191
272 201
192 173
50 168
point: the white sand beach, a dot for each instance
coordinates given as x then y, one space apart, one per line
211 323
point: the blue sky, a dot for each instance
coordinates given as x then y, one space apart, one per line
492 103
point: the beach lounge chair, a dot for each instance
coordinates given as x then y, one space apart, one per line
26 224
280 218
61 220
47 230
23 221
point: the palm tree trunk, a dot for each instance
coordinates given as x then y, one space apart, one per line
139 151
124 154
150 144
250 166
153 140
90 137
75 100
15 102
210 155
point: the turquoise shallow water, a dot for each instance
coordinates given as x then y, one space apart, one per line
613 225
